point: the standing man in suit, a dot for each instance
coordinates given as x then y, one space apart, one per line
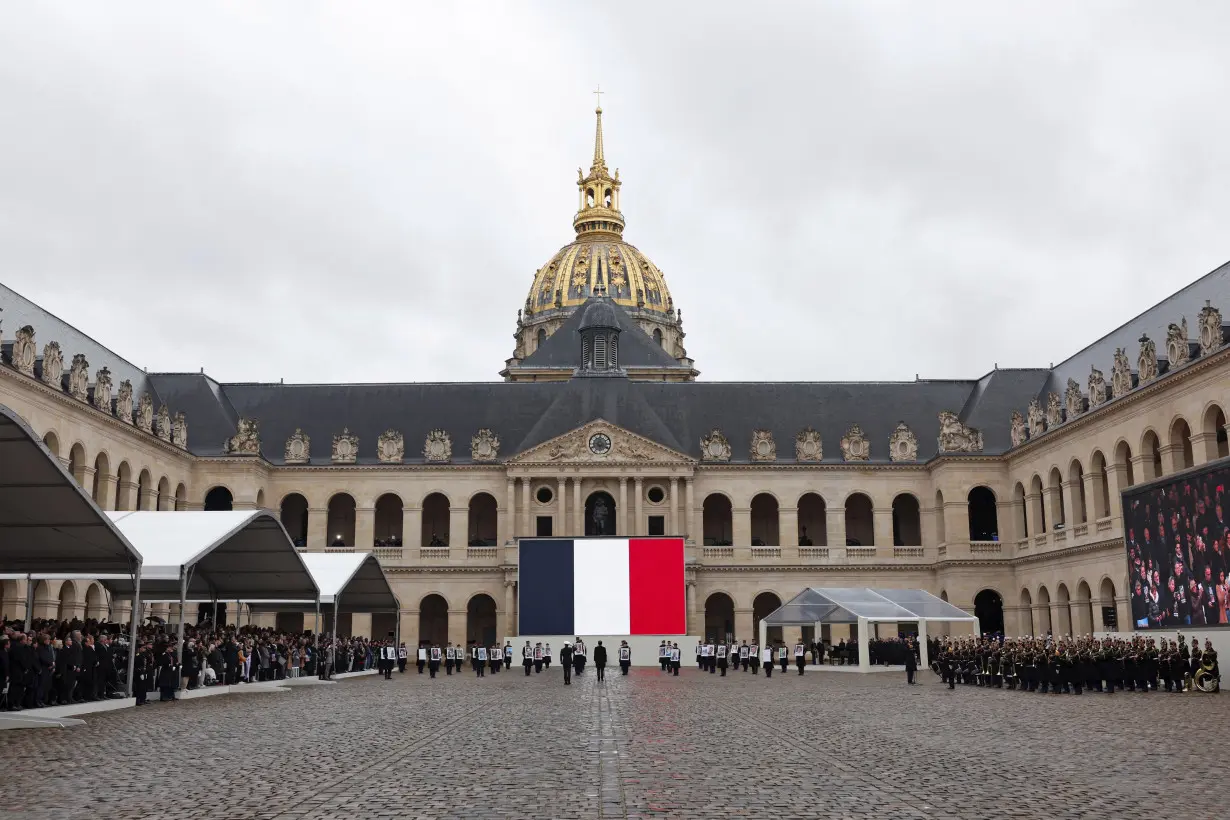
600 660
433 660
911 664
565 660
800 656
767 657
676 657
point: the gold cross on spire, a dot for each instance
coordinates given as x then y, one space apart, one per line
598 94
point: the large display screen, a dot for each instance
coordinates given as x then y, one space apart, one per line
1177 534
601 586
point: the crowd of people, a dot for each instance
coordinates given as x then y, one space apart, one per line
60 662
1076 665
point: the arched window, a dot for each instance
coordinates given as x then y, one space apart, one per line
482 516
941 532
1214 430
1039 504
657 336
764 521
1181 445
1059 516
907 522
589 197
716 520
1101 483
1123 460
1151 449
1022 506
541 338
388 521
983 516
1076 477
606 198
295 518
860 524
219 498
435 530
341 521
813 521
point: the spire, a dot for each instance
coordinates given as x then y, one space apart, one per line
599 190
599 155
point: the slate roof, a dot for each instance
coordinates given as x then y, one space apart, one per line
562 349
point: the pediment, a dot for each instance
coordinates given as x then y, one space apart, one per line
585 445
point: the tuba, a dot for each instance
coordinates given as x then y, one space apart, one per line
1205 680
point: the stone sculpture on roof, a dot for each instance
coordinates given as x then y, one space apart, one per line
438 448
162 424
1054 411
1120 374
247 438
1210 329
79 378
345 447
763 447
24 353
903 444
808 445
1097 387
391 447
53 365
179 431
484 446
123 402
102 390
1073 401
1018 429
854 445
714 447
298 448
145 413
955 437
1178 350
1037 418
1146 363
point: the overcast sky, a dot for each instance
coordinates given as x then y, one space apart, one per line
837 191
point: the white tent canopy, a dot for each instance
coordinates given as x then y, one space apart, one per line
350 581
815 606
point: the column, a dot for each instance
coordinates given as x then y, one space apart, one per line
743 624
1074 511
106 491
365 528
1093 499
788 526
693 627
578 509
128 491
835 520
695 522
1056 513
621 512
672 525
1142 468
1116 480
1008 523
458 528
1204 448
1172 458
408 622
412 530
741 526
527 522
166 502
503 625
882 526
150 500
638 524
318 522
507 514
1031 515
561 496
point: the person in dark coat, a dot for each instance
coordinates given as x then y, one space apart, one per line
565 660
192 664
70 667
167 675
103 666
85 677
142 673
21 671
625 657
45 664
4 668
911 664
600 660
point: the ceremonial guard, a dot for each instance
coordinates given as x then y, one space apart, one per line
625 657
449 657
433 660
495 657
744 654
600 660
722 649
527 657
783 657
142 672
480 660
508 653
578 656
664 656
403 656
800 658
753 658
168 675
675 659
700 661
708 661
911 665
537 658
565 660
390 653
546 656
420 661
766 657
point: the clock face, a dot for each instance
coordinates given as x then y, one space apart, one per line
600 444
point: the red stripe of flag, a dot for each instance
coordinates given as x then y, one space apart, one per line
656 586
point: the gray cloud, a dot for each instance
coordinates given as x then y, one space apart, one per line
835 191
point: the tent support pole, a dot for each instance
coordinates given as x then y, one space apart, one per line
333 650
133 625
316 635
864 649
179 638
29 602
764 634
923 656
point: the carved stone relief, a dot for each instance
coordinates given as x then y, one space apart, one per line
53 365
1178 350
567 449
1037 418
1120 374
715 447
102 390
1097 387
245 442
854 445
298 448
955 437
808 445
1054 411
123 402
391 447
24 353
484 446
345 447
1146 364
162 424
145 413
1018 429
79 378
1073 401
438 449
179 431
1210 329
763 447
903 444
632 450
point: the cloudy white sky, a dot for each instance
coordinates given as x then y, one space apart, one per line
343 192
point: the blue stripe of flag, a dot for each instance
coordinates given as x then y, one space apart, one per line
545 587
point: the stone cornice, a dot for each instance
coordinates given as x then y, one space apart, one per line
1116 543
63 398
796 466
1168 379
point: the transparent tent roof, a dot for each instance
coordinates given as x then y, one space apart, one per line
845 605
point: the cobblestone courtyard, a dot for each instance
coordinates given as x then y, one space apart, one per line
824 745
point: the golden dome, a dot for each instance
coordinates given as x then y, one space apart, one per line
599 260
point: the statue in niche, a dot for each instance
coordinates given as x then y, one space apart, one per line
600 515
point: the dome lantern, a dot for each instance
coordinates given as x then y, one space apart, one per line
598 211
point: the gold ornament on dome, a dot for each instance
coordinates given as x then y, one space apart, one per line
808 445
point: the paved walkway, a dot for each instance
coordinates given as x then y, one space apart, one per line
649 745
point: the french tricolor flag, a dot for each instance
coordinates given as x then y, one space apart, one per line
601 586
